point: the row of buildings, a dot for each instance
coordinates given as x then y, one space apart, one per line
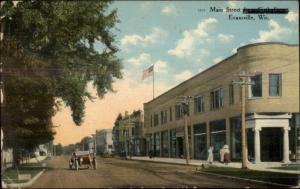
214 113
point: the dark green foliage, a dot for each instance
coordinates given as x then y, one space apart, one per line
48 53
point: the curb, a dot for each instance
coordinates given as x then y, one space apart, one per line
248 180
230 177
28 183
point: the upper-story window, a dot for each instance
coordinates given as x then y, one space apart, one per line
199 104
274 84
151 122
163 116
216 98
255 90
178 112
231 94
155 119
170 113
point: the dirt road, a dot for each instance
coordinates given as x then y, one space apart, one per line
113 172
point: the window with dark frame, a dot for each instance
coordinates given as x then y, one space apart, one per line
178 112
161 117
165 116
199 104
216 98
256 88
155 119
170 113
231 94
274 84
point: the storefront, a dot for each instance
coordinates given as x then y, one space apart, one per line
217 136
165 143
200 147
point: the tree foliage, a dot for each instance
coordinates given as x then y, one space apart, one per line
48 53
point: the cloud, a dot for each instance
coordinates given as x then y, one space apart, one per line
234 50
225 38
168 10
217 60
160 66
136 40
292 16
143 58
276 32
200 70
234 4
191 38
183 75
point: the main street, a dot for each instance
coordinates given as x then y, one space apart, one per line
114 172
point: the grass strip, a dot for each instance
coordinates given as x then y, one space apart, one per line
11 174
279 178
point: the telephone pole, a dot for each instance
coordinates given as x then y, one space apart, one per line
244 80
184 102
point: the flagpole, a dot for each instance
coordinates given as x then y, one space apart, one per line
153 81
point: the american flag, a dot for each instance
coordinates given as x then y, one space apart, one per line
147 72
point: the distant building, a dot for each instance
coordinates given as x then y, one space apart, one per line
128 134
214 118
104 142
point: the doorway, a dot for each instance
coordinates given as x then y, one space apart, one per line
271 140
180 147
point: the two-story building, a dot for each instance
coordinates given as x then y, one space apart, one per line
104 142
214 118
128 134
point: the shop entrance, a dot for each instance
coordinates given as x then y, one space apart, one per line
180 147
271 141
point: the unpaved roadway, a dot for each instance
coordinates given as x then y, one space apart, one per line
114 172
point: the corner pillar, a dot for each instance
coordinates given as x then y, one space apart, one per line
286 145
257 144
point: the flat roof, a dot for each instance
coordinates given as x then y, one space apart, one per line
209 68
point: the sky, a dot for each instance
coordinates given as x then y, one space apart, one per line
181 39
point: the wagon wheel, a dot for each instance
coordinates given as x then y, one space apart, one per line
94 163
76 165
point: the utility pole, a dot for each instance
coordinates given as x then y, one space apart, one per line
244 80
184 101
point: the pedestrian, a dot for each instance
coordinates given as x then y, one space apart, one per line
222 155
210 158
226 153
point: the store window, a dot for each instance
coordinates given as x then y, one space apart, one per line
200 149
235 135
217 136
173 143
165 144
157 144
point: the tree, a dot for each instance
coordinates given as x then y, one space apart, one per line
49 47
115 132
59 149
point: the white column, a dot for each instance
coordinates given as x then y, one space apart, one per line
257 144
286 145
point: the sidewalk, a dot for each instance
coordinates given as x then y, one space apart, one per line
15 183
265 166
